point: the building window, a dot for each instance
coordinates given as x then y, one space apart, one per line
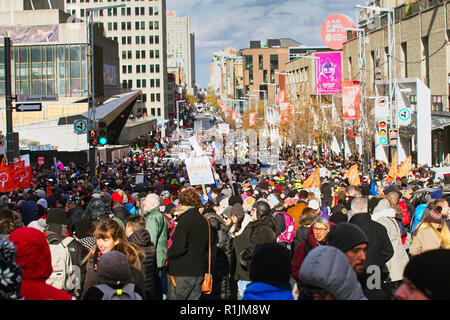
248 62
273 61
265 77
150 25
260 62
250 76
436 103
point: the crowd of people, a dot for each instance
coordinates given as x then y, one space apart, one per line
75 237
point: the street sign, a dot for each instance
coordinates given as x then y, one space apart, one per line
41 161
80 126
404 116
37 97
381 108
21 107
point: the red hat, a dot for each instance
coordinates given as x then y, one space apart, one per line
116 197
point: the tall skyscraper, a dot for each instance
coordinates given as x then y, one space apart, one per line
181 48
139 28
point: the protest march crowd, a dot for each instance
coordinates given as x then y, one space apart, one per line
318 229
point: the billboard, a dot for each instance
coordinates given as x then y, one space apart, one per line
30 34
351 96
333 30
328 72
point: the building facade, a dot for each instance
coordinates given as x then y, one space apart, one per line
139 28
181 48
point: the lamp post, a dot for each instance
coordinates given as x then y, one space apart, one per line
91 97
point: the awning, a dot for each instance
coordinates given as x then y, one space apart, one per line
439 120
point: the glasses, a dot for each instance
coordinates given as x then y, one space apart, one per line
320 229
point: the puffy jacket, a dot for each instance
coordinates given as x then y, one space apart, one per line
33 257
328 268
418 213
157 226
296 212
141 238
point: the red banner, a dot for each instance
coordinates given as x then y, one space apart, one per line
351 96
22 177
14 176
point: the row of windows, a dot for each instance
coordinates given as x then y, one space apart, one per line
113 12
142 83
273 61
140 54
154 68
138 40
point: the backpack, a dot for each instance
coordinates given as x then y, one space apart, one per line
126 293
64 275
289 234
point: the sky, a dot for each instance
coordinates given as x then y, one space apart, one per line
219 24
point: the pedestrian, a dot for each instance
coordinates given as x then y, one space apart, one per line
110 236
306 219
424 277
432 233
327 275
269 273
339 211
74 210
380 249
296 211
11 274
9 221
138 235
157 227
317 236
33 257
186 255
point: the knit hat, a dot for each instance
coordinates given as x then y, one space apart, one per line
270 263
10 272
428 272
113 269
41 193
74 199
42 202
434 215
99 207
116 197
227 212
437 194
346 236
237 210
57 216
235 199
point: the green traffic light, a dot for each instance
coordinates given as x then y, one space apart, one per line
102 140
383 140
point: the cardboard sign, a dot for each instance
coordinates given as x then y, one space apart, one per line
199 171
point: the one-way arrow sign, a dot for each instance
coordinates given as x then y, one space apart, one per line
28 107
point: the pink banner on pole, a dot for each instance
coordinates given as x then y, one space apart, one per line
351 96
328 70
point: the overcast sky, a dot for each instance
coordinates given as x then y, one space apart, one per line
218 24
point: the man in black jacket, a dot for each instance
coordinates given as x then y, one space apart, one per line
186 254
379 251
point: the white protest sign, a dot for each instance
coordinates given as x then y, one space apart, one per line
139 178
199 171
197 148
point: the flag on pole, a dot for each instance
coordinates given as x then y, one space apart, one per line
405 167
392 170
313 181
352 174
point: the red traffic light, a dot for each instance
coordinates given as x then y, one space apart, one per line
382 124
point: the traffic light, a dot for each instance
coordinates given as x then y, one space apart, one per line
393 136
102 131
382 133
92 138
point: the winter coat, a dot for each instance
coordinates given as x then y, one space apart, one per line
75 216
337 214
380 249
268 291
241 241
260 231
186 255
296 212
302 250
328 268
141 238
29 212
426 238
222 257
300 235
34 258
418 213
400 259
157 226
278 219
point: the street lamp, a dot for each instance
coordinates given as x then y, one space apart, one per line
91 98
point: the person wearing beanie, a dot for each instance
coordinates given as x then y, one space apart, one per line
425 277
327 275
269 273
11 274
235 199
113 278
74 211
34 259
432 233
56 222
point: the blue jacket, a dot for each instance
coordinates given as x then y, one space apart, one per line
418 213
266 291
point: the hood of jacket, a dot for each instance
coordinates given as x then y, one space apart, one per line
390 213
33 253
245 222
328 268
268 291
141 238
29 212
215 221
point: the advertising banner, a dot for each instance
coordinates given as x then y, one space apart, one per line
334 32
328 71
351 96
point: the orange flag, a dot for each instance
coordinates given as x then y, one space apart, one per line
22 177
393 169
313 180
405 167
6 178
353 175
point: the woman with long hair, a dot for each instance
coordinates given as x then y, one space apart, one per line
110 236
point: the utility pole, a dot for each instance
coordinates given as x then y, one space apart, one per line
8 101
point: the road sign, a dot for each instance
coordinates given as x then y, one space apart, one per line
21 107
80 126
404 116
37 97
